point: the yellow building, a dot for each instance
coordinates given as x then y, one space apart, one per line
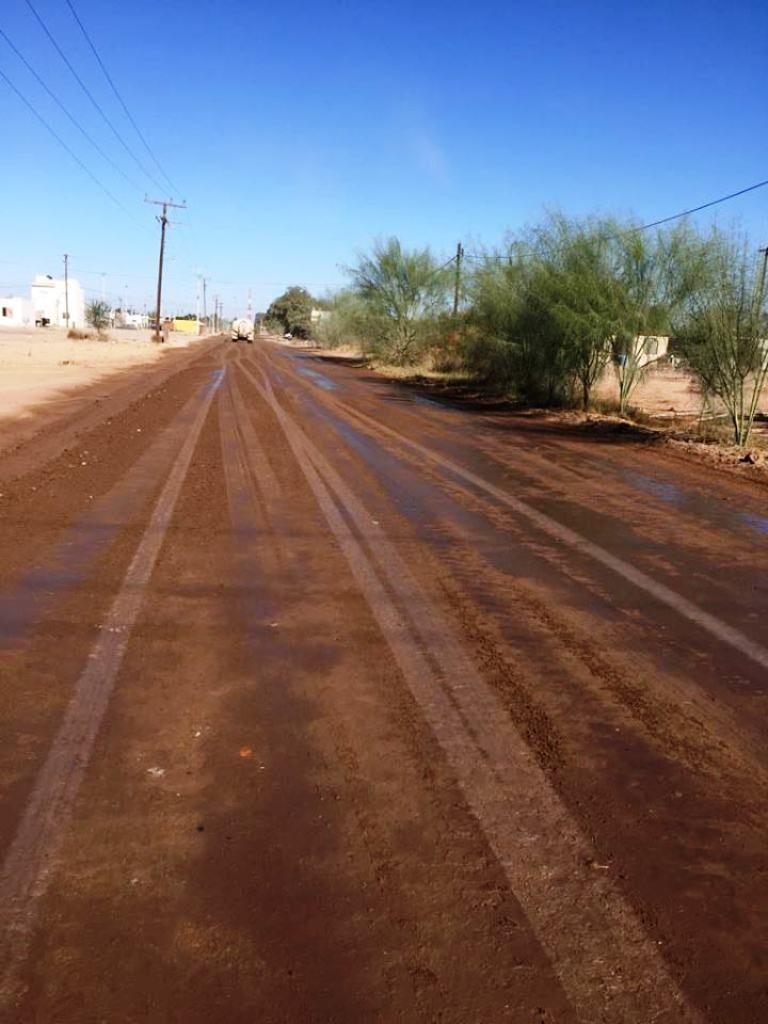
187 326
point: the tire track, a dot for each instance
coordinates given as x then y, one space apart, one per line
607 964
30 861
69 561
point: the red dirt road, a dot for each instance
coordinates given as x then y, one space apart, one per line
321 702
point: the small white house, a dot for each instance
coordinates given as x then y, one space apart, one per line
136 321
50 298
648 349
16 311
123 318
651 348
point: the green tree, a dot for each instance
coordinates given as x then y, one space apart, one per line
550 309
402 291
579 289
347 323
292 311
514 343
658 275
98 314
724 335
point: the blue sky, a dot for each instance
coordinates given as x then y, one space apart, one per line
299 132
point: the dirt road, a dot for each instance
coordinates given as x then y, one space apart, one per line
321 702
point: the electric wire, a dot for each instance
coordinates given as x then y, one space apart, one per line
634 230
704 206
91 97
71 117
61 141
118 95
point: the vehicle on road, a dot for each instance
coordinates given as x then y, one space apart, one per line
242 330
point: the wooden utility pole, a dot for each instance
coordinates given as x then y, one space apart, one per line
66 288
763 272
163 221
457 284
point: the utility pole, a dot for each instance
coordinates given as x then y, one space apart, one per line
215 314
457 284
163 221
763 272
66 287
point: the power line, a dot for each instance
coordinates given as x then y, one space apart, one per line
71 117
446 264
704 206
61 141
117 94
90 96
641 227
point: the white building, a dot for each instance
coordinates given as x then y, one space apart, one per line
650 348
16 311
49 302
123 318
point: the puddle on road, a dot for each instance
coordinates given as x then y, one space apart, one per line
694 503
686 500
759 523
432 403
22 603
317 378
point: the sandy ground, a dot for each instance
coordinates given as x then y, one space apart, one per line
37 366
664 392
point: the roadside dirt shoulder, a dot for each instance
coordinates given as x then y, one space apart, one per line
667 401
749 465
41 430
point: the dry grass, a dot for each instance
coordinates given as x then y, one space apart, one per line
421 371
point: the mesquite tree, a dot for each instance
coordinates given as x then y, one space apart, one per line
577 285
658 274
98 315
726 333
402 292
546 312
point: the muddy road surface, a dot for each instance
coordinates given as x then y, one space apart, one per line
321 702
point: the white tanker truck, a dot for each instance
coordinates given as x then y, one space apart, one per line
242 330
